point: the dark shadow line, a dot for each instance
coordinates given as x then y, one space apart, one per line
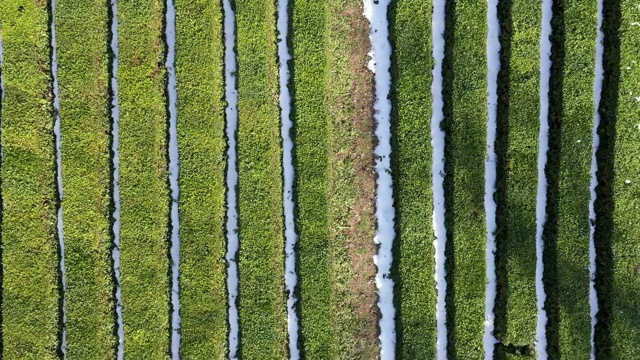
552 172
58 201
112 205
502 174
448 77
604 203
392 15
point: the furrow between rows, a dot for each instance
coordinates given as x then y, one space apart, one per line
60 193
493 70
543 171
115 171
231 176
380 65
438 144
291 237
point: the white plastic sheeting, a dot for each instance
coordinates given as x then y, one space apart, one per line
58 136
493 68
438 174
291 238
380 63
597 93
541 199
174 172
231 95
115 148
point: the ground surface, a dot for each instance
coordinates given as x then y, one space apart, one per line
334 190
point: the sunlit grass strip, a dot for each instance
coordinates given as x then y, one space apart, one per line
311 165
521 176
30 283
575 126
262 299
83 75
411 160
202 145
625 302
350 182
466 164
143 179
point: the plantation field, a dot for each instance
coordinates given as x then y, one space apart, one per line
184 179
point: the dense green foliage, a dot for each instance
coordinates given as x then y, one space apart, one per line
202 146
312 165
521 174
82 29
414 252
143 179
261 300
466 114
571 133
625 299
30 279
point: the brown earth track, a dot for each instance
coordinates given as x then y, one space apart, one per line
352 181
